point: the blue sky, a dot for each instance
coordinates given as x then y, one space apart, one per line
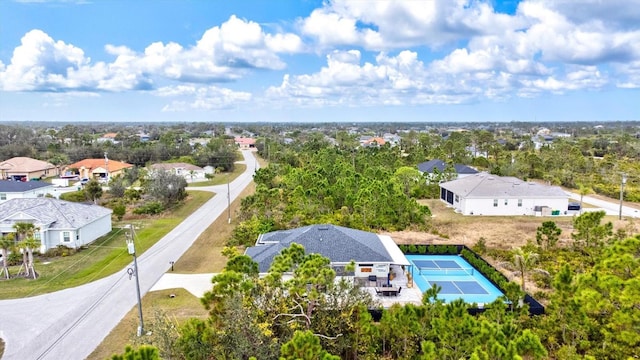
319 61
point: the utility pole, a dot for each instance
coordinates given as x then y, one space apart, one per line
134 272
228 202
623 181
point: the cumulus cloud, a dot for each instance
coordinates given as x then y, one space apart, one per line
224 53
396 23
191 97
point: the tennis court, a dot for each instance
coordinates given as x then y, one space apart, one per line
455 277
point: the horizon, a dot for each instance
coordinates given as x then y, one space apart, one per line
423 61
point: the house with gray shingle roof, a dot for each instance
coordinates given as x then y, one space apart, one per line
486 194
23 189
59 222
372 253
436 169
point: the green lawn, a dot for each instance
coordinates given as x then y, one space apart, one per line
220 179
104 257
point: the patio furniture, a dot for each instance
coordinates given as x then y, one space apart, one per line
387 291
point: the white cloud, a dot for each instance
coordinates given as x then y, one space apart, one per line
224 53
202 98
399 24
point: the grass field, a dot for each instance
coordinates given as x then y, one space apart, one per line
204 256
220 179
102 258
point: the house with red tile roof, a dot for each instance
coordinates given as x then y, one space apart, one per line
245 143
25 168
99 169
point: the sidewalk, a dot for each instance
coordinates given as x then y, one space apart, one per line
197 284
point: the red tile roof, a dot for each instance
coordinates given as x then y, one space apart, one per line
100 163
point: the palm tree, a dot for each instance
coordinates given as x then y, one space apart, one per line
25 233
583 190
28 245
6 242
523 261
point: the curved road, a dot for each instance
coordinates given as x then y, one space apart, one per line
71 323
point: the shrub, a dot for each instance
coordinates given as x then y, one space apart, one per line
480 246
413 249
150 208
74 196
119 210
60 250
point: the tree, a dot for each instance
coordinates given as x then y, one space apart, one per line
6 243
588 230
93 191
28 245
25 233
119 210
166 187
583 190
547 234
523 261
304 346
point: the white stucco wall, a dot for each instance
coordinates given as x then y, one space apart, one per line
381 270
27 194
79 237
484 206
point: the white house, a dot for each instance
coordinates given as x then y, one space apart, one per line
189 171
59 222
24 189
373 254
486 194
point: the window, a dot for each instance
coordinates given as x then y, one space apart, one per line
66 236
519 202
36 235
3 196
506 201
495 202
457 198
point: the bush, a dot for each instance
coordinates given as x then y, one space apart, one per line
60 250
480 246
119 210
74 196
14 258
150 208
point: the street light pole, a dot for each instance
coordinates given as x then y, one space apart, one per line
624 181
228 202
134 272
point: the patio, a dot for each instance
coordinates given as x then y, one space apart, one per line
407 294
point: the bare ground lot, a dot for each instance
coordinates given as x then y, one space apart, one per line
501 232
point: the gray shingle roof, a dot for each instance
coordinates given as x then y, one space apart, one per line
431 165
339 244
485 185
59 213
21 186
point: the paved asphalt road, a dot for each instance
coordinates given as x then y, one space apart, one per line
611 207
71 323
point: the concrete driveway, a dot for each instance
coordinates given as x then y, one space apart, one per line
71 323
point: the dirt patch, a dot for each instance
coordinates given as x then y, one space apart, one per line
501 232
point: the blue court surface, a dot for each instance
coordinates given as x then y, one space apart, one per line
455 276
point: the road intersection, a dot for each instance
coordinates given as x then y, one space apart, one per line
71 323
